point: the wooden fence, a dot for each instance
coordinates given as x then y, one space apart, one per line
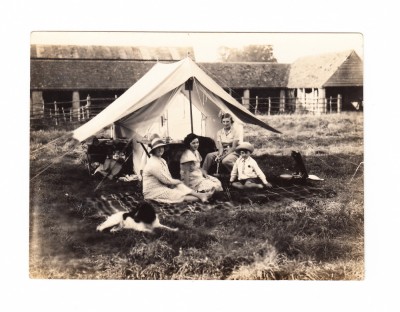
58 113
291 105
63 112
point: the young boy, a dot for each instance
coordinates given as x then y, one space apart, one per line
246 170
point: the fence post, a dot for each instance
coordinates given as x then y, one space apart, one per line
56 112
43 110
282 101
88 103
65 118
330 104
246 99
76 104
269 106
37 105
256 109
292 103
339 104
321 100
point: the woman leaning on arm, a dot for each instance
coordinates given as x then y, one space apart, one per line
191 172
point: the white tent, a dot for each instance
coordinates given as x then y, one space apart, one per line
135 112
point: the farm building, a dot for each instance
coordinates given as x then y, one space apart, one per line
327 82
256 85
318 84
69 79
66 78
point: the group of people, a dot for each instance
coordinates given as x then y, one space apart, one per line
195 182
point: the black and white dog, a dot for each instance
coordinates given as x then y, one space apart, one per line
142 219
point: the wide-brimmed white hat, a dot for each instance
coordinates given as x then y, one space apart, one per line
157 142
245 146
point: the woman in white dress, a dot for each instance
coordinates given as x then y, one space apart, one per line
159 185
191 172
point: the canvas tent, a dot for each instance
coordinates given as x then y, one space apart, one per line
136 111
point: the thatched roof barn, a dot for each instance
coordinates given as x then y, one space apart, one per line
327 82
95 67
70 74
327 70
245 75
86 74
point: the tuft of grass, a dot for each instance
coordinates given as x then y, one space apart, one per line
338 133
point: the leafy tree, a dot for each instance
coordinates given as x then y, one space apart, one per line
250 53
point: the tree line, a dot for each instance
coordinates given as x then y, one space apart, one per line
250 53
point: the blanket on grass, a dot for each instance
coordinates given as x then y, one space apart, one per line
230 198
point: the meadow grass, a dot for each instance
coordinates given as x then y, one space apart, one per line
316 238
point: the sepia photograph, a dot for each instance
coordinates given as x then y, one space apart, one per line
196 156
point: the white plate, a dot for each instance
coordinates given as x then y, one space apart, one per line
314 178
286 176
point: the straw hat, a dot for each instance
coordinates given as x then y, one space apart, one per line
157 142
245 146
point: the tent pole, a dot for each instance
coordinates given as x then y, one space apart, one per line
189 86
191 114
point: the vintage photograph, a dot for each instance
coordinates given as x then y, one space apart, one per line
196 156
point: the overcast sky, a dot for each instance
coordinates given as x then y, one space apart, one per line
287 46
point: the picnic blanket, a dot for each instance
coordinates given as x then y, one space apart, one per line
230 198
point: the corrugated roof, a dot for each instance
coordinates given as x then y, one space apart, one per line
110 52
317 71
248 75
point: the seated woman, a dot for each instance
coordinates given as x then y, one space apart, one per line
191 172
227 139
158 183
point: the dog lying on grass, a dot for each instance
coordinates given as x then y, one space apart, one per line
142 219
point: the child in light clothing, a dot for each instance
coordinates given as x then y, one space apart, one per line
246 170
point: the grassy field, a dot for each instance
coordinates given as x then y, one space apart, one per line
315 238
